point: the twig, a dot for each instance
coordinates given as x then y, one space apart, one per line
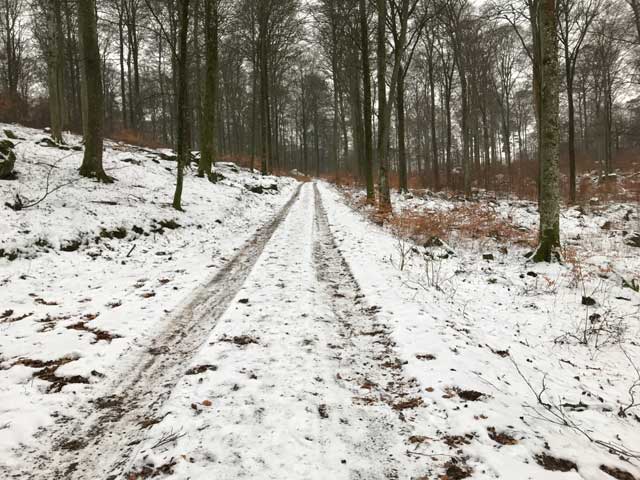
132 249
168 438
559 417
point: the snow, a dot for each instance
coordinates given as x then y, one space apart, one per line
492 306
330 361
129 292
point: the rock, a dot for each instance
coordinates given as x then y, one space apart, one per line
70 245
9 134
594 201
7 159
48 142
260 189
607 225
588 301
433 242
132 161
216 177
487 256
228 166
633 240
170 157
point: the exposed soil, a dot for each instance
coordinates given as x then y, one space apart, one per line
617 473
549 462
503 438
99 334
201 369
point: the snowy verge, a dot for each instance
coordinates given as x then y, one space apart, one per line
91 272
485 335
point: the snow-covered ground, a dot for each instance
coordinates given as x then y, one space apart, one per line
275 334
557 373
133 260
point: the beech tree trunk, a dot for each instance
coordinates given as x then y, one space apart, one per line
181 100
92 96
366 110
209 120
55 44
549 136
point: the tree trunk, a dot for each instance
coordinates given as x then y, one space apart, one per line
209 120
549 135
572 141
56 69
402 153
366 86
434 139
123 84
384 200
181 100
92 91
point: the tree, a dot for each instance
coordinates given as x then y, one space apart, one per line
457 24
92 94
574 19
543 19
182 140
55 49
385 104
208 139
366 111
13 46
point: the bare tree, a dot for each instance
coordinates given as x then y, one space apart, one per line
574 19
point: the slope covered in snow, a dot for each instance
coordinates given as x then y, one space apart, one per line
93 271
520 363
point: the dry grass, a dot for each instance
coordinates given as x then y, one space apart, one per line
134 137
472 222
466 221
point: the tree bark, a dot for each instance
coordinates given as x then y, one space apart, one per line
366 110
402 153
549 137
181 100
92 91
56 69
209 119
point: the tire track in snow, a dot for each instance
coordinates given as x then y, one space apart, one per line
382 395
100 445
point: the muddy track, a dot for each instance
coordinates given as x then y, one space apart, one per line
370 368
102 443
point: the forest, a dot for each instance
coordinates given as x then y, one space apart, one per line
319 239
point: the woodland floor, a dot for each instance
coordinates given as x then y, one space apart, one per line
278 332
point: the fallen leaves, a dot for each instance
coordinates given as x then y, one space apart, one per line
425 356
503 438
549 462
406 404
201 369
240 340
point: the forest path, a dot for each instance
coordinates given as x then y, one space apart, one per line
300 380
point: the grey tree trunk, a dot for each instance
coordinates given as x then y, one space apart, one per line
181 100
92 89
55 44
384 200
366 110
549 136
209 121
402 149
